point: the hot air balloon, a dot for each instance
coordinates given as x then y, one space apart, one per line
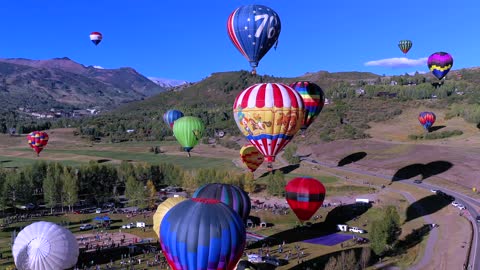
37 141
96 37
251 157
202 234
314 100
440 64
162 209
253 29
305 195
405 45
170 116
230 195
427 119
188 130
45 246
269 115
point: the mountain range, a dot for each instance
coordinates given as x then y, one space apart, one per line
64 83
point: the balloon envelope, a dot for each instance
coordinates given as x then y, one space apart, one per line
305 195
162 210
45 246
253 29
269 115
230 195
188 130
37 140
405 45
251 157
96 37
313 98
170 116
440 64
427 119
202 234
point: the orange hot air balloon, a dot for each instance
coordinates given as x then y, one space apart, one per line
37 141
251 157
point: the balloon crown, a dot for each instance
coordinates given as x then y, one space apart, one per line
205 200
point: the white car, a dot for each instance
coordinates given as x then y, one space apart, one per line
434 190
455 204
356 230
128 226
461 206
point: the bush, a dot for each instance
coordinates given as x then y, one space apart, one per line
436 135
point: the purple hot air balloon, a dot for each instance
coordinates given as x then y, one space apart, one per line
440 64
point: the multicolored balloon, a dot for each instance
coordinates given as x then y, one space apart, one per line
96 37
405 45
269 115
45 245
251 157
313 98
253 29
440 64
230 195
305 195
427 119
162 210
170 116
37 141
202 234
188 131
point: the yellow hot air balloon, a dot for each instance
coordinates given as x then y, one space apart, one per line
251 157
162 210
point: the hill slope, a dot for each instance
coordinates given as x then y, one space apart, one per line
61 82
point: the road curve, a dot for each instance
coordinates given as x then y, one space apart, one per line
474 259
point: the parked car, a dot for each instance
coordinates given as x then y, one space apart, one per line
98 210
461 206
274 261
128 226
417 181
477 219
86 227
455 204
434 190
356 230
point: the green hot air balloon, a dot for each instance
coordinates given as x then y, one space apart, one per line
188 130
405 45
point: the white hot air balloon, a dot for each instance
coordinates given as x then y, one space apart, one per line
45 246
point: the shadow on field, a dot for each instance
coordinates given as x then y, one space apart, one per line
321 261
351 158
478 125
5 161
411 240
103 160
338 215
425 170
426 206
435 128
284 170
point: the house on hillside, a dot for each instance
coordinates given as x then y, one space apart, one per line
360 91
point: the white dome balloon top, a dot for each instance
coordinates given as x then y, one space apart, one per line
45 246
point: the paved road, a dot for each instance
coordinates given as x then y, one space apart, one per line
464 199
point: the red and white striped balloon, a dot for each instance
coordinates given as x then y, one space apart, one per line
269 115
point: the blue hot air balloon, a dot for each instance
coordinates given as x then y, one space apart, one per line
171 116
253 29
230 195
202 234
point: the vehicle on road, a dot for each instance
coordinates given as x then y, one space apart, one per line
417 181
461 206
477 219
356 230
128 226
455 204
86 227
434 190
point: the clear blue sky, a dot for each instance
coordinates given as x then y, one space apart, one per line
188 39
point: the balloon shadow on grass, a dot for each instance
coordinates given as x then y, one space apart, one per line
426 206
424 170
351 158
